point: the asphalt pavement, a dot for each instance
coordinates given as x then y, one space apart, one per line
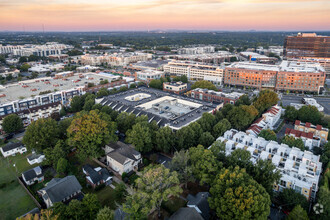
324 101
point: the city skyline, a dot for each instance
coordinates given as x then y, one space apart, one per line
102 15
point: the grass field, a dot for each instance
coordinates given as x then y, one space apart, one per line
14 201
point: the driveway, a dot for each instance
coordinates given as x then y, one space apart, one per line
281 133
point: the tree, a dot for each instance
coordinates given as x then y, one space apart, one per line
226 109
239 157
63 112
41 134
12 123
207 121
266 174
206 139
137 205
25 67
120 192
204 84
235 195
105 214
204 164
239 118
102 92
293 142
289 198
62 166
298 213
54 154
76 104
88 133
88 105
140 137
156 84
185 138
132 86
243 100
324 194
268 135
45 214
181 164
310 114
265 100
159 183
91 206
221 127
164 139
291 113
125 121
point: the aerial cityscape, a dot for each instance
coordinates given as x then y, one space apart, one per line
164 109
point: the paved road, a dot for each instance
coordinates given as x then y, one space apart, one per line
325 102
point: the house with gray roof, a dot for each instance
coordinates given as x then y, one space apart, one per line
35 158
61 190
13 148
200 204
96 176
33 175
186 213
122 157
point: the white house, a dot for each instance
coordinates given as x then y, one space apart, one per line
35 158
122 157
33 175
13 148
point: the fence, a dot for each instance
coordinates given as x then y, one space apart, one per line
28 192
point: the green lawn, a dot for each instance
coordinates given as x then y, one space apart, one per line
14 201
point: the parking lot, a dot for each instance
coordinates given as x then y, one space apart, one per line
288 99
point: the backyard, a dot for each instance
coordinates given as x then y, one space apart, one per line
14 201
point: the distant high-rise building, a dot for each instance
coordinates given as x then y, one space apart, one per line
307 45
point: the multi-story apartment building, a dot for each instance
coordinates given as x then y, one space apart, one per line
175 87
148 75
195 71
318 130
309 139
50 48
248 74
215 96
300 169
324 62
120 59
292 76
307 45
214 58
196 50
259 58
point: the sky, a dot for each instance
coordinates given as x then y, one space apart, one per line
133 15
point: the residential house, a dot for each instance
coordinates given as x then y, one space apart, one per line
96 176
61 190
317 130
122 157
12 148
35 158
33 175
200 204
309 139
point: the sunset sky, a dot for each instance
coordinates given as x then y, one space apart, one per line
108 15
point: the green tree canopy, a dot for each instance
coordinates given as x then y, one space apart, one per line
140 137
293 142
156 84
164 139
289 198
291 113
206 139
12 123
159 183
268 135
105 214
62 166
88 133
204 84
235 195
298 213
221 127
310 114
181 164
125 121
207 122
265 100
102 92
204 164
41 134
243 100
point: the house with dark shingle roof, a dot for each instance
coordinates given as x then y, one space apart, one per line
12 148
60 190
186 213
33 175
96 176
200 204
122 157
